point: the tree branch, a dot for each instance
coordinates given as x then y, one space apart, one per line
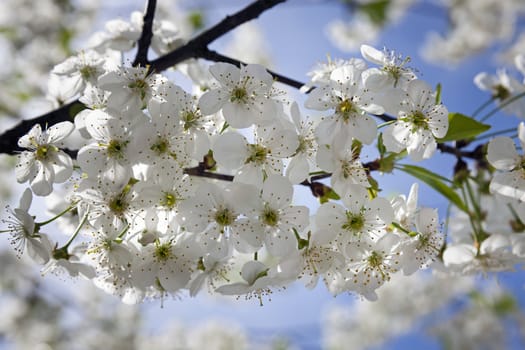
144 41
9 139
196 47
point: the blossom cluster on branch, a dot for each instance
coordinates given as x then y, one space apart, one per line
171 191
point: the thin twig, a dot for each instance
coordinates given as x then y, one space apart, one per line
197 46
144 41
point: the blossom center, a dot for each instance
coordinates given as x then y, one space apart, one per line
116 148
224 217
87 72
346 168
44 151
501 92
169 200
418 119
190 120
118 205
163 251
375 260
161 146
258 154
270 216
345 109
239 95
354 222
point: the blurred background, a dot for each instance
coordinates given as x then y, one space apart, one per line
448 41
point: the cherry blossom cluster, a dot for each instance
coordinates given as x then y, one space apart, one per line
171 191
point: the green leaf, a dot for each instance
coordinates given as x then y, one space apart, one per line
76 108
462 127
196 19
376 11
380 145
65 36
435 181
438 93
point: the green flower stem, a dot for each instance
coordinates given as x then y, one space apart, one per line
496 133
301 242
402 229
483 106
386 123
475 228
43 223
506 103
72 238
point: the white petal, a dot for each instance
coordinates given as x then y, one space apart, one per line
240 115
25 168
42 184
459 254
383 209
427 220
62 166
251 270
28 140
277 191
320 98
212 101
59 131
226 74
372 54
298 169
502 154
25 200
365 129
230 150
280 243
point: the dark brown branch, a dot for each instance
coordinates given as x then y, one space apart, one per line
197 46
198 171
144 41
217 57
476 154
9 139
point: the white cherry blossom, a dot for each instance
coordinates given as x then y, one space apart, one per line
213 214
371 264
350 100
392 71
360 218
344 164
243 95
253 162
25 235
276 218
419 122
44 163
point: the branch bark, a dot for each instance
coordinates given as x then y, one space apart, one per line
144 41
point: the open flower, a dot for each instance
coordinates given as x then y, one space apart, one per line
420 121
24 232
44 163
243 94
